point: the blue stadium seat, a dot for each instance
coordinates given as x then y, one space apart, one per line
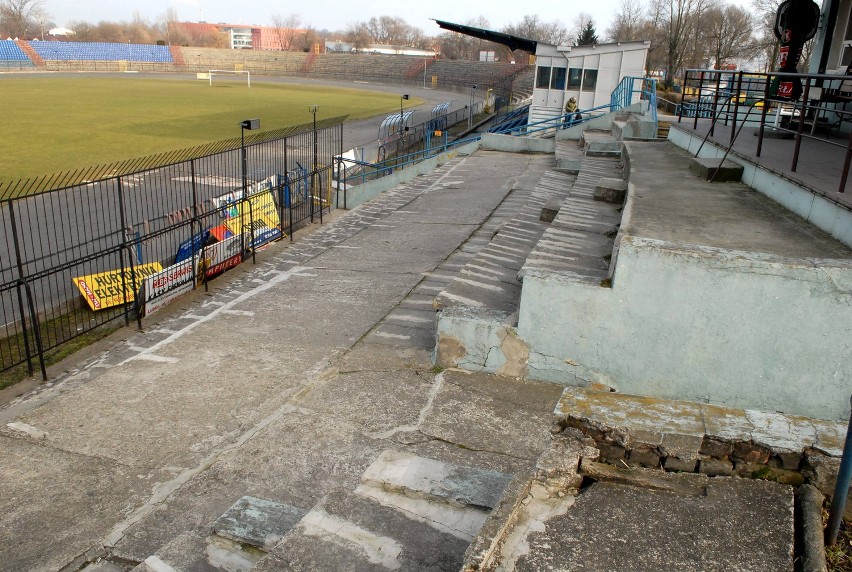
102 51
10 51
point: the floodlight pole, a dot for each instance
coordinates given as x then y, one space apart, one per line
401 130
250 124
313 109
470 109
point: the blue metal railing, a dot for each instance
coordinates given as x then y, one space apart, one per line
516 123
623 94
367 171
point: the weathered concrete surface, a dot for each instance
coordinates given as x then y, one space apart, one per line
738 525
810 192
611 190
509 143
734 296
716 170
273 385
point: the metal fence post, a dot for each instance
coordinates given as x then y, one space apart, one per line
21 283
127 248
841 489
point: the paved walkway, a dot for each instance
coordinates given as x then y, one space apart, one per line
286 383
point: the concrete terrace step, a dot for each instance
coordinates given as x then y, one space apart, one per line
632 515
409 513
580 239
490 280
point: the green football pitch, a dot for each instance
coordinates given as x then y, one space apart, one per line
58 124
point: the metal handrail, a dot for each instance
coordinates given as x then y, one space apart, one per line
712 84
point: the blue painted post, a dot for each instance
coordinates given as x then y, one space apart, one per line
841 489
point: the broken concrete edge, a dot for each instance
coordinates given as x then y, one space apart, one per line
550 209
809 529
717 456
556 472
480 340
483 552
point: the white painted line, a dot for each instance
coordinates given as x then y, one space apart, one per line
462 300
391 336
409 318
381 550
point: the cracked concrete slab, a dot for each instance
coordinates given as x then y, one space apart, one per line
492 404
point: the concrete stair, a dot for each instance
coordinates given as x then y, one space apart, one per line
490 279
409 513
478 312
663 129
580 239
31 53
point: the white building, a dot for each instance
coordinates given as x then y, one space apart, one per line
589 73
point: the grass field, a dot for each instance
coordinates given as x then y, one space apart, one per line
64 123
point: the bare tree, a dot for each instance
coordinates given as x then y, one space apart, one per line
286 30
532 28
629 23
675 21
730 33
16 16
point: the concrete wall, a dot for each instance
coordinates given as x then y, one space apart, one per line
699 324
820 211
600 123
512 144
358 194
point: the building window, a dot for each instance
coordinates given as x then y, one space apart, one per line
574 75
590 80
542 79
557 80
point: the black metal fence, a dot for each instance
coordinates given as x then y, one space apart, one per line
814 110
75 247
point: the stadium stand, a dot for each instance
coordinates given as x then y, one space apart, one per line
13 57
101 51
255 61
505 79
455 72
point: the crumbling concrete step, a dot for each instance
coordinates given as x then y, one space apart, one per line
716 170
738 524
489 280
416 477
648 420
580 239
201 550
356 533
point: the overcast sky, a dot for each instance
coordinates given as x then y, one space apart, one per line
335 14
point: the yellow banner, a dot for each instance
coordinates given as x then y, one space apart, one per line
104 290
263 211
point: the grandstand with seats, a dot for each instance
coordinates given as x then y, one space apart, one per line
13 57
101 51
380 68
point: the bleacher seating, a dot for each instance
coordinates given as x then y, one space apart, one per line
378 68
11 56
254 61
101 51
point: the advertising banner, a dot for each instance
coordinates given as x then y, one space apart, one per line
256 216
221 256
160 289
108 289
